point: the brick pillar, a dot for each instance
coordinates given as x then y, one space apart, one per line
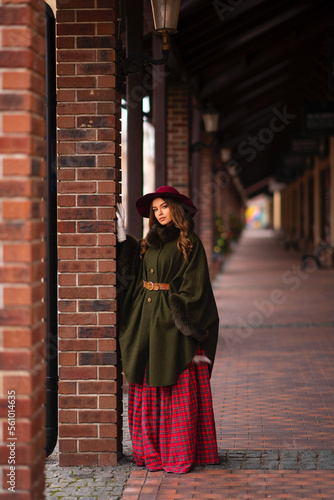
331 159
298 208
88 161
306 205
317 200
22 249
206 198
284 210
290 201
178 138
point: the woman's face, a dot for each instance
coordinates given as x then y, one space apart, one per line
161 211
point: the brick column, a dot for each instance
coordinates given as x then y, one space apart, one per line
298 208
305 206
88 161
285 211
22 249
290 214
317 201
331 159
206 205
178 138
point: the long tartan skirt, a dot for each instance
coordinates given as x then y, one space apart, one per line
173 428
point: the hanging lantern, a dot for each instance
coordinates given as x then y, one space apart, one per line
225 154
165 15
210 118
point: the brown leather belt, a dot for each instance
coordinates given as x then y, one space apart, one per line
155 286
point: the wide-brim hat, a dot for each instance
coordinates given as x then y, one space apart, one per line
144 202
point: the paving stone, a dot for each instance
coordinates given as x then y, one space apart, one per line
252 460
270 460
253 454
308 460
252 464
222 459
289 459
325 460
235 459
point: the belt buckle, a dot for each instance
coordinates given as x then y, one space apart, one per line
151 284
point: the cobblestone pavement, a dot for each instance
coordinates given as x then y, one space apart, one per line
273 392
90 483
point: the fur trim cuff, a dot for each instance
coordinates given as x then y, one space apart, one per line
201 359
182 321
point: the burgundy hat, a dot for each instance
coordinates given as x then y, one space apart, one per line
144 202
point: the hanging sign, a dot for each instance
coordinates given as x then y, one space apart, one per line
293 162
305 145
318 119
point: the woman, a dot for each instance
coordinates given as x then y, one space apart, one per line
168 332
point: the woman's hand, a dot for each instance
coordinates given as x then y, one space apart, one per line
120 226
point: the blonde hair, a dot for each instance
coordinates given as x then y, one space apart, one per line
184 243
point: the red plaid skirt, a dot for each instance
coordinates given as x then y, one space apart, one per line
173 428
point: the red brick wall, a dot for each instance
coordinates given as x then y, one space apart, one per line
206 197
22 249
217 195
230 202
88 161
178 138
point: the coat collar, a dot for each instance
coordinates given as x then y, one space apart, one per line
159 235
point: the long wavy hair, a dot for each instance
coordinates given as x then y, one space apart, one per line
180 221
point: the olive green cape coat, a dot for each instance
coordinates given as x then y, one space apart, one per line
160 330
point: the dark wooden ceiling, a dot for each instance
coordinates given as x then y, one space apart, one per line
251 57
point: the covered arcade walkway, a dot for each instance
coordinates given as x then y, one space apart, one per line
273 384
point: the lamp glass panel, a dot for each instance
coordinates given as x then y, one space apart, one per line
225 154
165 15
210 121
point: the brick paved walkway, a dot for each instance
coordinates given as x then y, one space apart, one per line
273 384
232 485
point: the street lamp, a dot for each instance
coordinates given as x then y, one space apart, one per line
210 118
165 17
225 154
